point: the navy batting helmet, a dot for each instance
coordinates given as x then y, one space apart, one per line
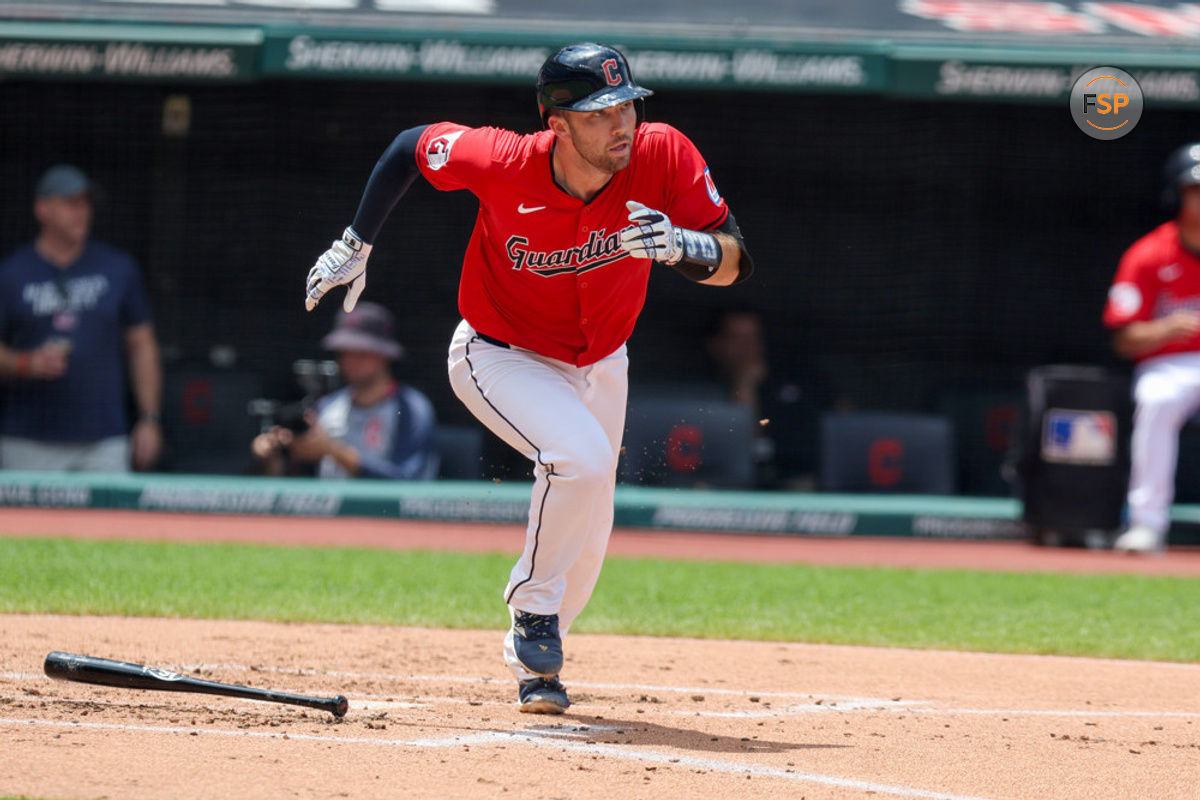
1182 169
586 77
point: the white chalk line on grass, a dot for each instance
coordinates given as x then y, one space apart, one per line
561 737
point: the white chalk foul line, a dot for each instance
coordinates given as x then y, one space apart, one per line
823 704
633 687
545 736
1050 712
389 702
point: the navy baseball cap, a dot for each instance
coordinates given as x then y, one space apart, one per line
63 180
368 328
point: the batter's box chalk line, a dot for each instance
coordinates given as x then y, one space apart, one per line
539 737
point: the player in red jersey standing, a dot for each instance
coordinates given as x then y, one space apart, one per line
571 221
1154 305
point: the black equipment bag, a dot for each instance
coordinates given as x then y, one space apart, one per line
1074 469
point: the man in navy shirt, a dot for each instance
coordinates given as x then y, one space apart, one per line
373 427
74 327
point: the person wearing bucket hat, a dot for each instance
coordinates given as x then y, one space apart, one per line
76 338
1154 311
374 426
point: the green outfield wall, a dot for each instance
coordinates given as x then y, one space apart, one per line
774 513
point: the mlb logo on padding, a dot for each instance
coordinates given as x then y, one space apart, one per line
1079 437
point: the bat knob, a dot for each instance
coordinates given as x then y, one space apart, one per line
340 706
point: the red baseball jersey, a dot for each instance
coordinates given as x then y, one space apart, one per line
1156 276
543 269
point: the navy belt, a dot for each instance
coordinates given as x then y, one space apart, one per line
492 340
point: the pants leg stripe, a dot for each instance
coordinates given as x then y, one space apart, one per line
549 468
536 539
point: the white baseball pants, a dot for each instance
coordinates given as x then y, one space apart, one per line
568 421
1166 392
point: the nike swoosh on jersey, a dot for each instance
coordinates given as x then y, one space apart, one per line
521 209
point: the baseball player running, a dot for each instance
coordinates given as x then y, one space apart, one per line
571 220
1154 307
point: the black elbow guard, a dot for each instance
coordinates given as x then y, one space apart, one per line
702 253
745 263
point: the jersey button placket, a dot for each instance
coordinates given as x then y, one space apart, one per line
583 284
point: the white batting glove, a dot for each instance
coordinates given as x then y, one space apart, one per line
344 262
651 235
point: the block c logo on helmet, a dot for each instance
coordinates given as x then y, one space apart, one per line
612 72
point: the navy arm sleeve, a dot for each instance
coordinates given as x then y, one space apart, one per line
393 174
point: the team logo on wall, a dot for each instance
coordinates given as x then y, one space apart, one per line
437 153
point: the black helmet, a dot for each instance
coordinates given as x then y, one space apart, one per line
586 77
1182 169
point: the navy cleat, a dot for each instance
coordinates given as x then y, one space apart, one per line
544 696
537 644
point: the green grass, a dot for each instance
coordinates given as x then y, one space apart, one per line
1100 615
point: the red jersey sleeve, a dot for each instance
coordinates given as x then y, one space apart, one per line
692 199
453 156
1131 296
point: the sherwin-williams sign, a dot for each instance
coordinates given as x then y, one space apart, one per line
154 52
128 52
343 55
1038 76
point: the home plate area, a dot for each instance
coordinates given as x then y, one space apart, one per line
433 713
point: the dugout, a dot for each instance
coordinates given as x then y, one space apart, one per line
914 251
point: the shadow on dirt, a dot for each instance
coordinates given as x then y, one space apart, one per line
610 730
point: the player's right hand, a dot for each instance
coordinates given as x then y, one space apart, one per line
651 235
344 262
1182 324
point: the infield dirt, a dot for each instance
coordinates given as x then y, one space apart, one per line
433 712
433 715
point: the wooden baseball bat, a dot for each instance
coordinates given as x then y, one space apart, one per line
106 672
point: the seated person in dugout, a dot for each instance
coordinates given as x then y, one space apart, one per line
1154 311
786 434
373 427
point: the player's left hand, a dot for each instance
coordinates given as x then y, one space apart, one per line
651 235
344 262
